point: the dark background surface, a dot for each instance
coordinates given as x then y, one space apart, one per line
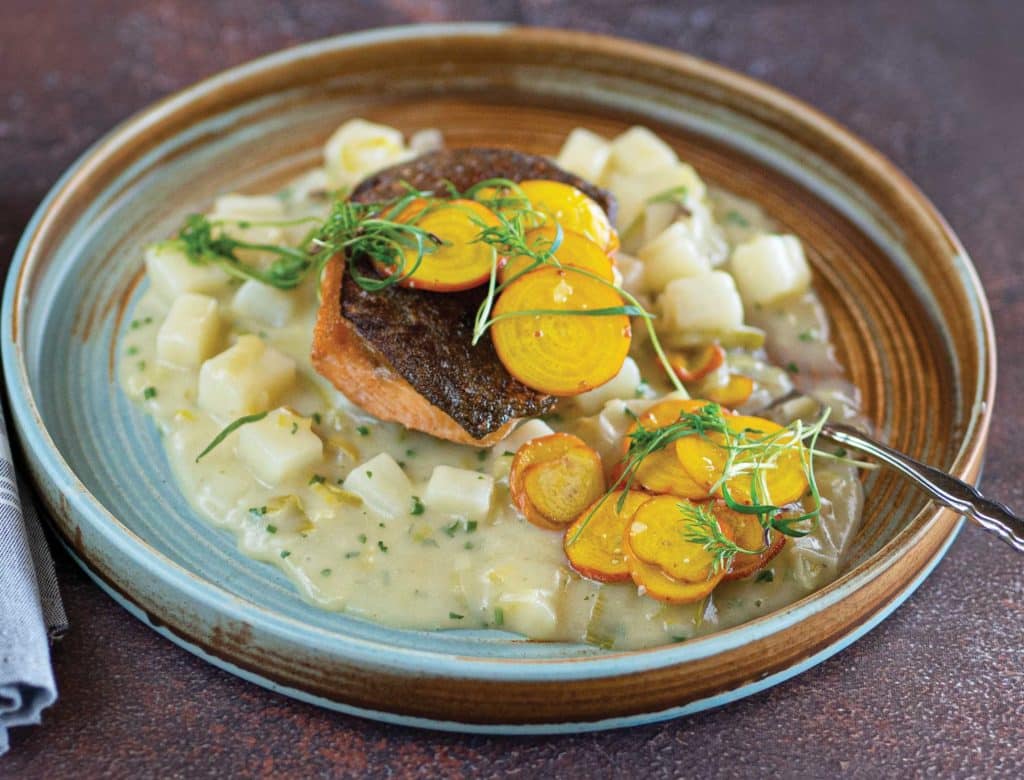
938 689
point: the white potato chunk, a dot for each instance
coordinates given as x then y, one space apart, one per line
631 273
638 150
191 332
359 148
243 217
459 492
585 154
527 431
263 303
533 612
672 255
280 446
633 191
622 385
247 378
382 484
708 302
769 268
172 274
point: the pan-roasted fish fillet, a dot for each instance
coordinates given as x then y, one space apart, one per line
405 355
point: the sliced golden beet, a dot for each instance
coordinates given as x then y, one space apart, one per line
571 209
735 392
461 262
749 534
562 488
560 354
659 535
695 366
593 543
660 586
561 472
574 250
661 471
772 472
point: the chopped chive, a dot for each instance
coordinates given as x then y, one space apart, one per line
353 554
451 528
258 511
361 538
806 335
499 616
142 365
369 475
271 529
792 367
680 638
325 572
455 616
410 453
231 428
767 575
417 506
363 430
383 547
316 479
471 526
295 428
285 553
468 546
481 455
508 454
842 452
149 393
132 350
317 417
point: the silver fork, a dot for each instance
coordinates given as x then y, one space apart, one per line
946 489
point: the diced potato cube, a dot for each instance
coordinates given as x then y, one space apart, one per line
191 332
706 302
622 385
459 492
248 207
631 272
531 429
358 148
638 150
280 446
172 274
243 216
672 255
585 154
633 191
383 485
247 378
770 268
532 613
503 452
263 303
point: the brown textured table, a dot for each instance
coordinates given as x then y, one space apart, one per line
938 689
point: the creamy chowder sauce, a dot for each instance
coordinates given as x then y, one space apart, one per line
353 510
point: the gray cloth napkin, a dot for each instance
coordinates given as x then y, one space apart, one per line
31 611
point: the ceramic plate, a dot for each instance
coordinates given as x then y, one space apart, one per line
910 319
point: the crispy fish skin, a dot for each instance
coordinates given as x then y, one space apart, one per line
424 338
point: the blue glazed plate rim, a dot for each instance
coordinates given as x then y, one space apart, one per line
36 438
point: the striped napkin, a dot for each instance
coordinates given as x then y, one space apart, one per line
31 612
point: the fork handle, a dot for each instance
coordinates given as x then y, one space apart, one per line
944 488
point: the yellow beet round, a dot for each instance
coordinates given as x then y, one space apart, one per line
575 250
560 354
660 586
553 478
571 209
461 262
596 550
657 536
661 471
784 479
